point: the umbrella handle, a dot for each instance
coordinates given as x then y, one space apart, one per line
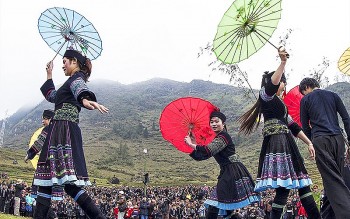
58 51
193 138
270 43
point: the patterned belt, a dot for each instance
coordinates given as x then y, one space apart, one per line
234 158
274 127
67 112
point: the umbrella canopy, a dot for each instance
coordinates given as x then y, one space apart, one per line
65 28
34 137
344 62
292 101
187 115
245 27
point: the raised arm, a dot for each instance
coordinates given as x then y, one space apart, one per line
276 77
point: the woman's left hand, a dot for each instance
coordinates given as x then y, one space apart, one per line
188 140
94 105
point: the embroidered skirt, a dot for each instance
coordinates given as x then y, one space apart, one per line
281 164
235 189
62 160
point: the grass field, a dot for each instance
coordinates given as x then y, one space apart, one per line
7 216
163 169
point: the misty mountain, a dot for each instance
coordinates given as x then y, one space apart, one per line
114 142
129 104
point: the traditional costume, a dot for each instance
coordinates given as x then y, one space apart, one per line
280 162
61 162
235 186
281 165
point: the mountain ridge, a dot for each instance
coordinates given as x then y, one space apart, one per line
114 142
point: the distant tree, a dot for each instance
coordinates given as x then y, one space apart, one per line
237 76
118 129
139 128
154 126
319 73
145 133
124 154
341 77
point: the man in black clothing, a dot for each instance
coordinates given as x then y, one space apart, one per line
319 111
3 196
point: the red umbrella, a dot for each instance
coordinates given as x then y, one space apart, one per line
187 115
292 101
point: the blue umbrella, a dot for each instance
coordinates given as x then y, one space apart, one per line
65 28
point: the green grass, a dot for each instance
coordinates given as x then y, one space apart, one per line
7 216
165 165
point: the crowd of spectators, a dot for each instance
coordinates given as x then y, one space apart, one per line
166 202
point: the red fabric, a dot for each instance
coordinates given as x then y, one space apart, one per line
187 115
128 212
292 101
116 211
301 211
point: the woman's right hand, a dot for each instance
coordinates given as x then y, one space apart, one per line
49 67
283 54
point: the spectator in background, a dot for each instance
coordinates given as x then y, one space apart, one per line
144 208
3 196
20 185
22 205
122 205
29 204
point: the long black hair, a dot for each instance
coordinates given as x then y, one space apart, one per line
250 120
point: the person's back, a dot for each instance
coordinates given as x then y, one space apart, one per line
325 106
319 111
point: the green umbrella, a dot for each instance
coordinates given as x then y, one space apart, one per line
245 28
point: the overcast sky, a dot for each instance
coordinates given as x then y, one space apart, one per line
143 39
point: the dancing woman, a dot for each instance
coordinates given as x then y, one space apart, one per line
235 186
61 161
281 166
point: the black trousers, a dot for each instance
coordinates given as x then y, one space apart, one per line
330 162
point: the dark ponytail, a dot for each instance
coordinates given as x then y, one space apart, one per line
86 68
250 120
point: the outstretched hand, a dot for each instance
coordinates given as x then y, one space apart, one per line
94 105
26 159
